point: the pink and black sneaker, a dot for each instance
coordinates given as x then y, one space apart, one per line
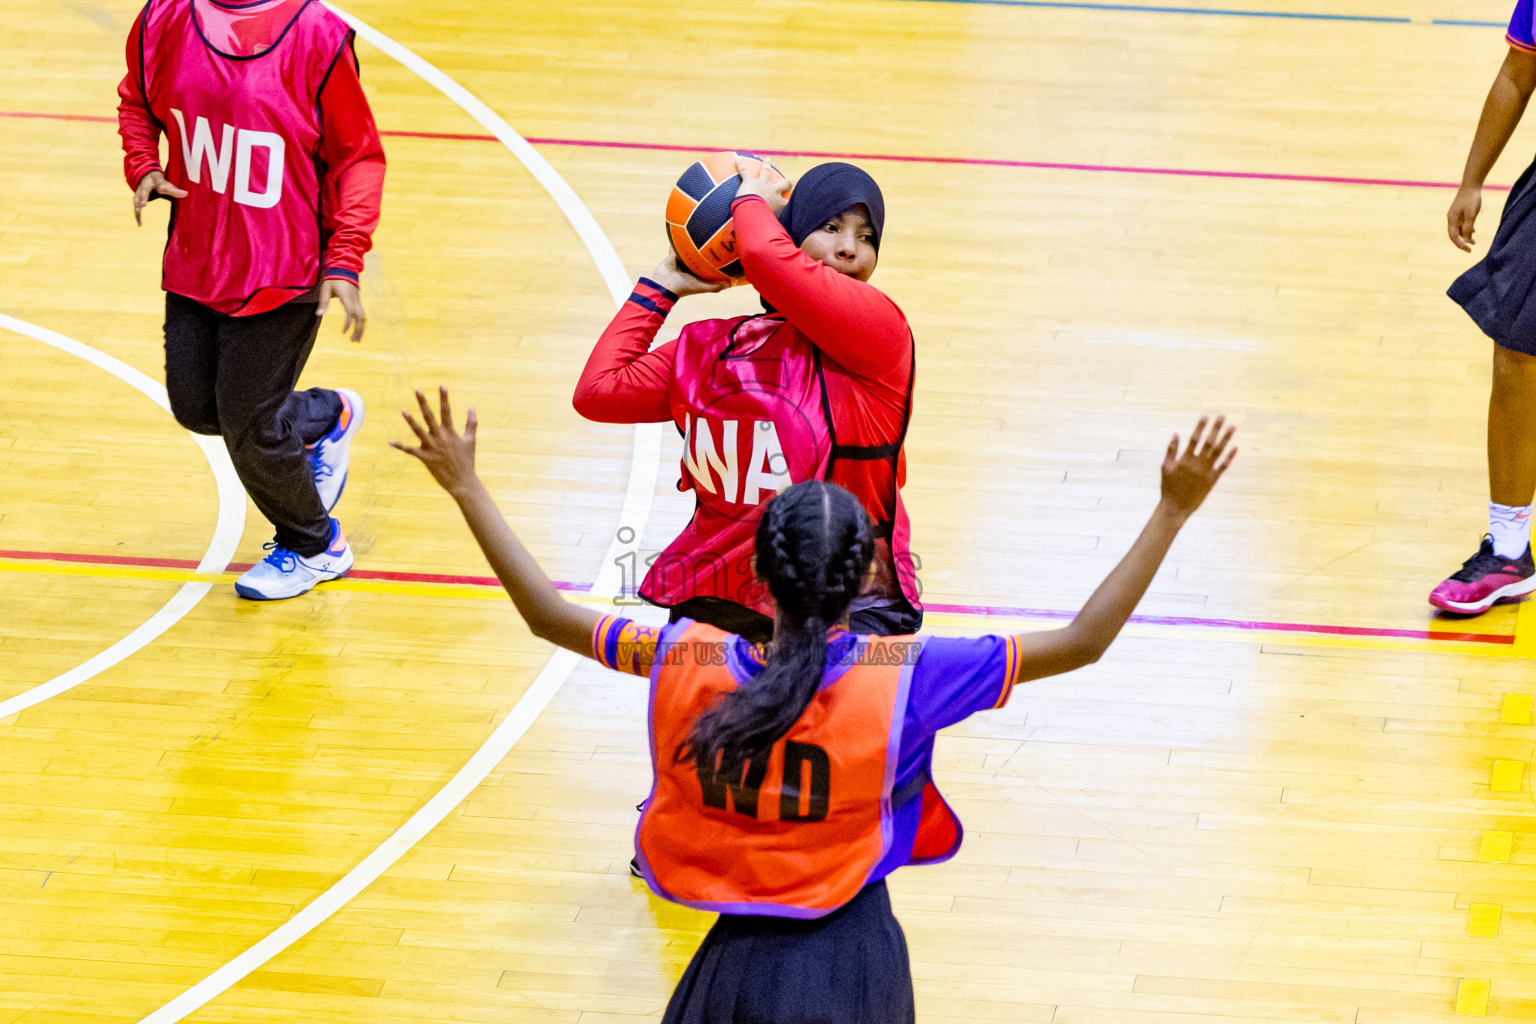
1484 580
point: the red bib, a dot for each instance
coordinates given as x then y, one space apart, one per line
244 137
749 397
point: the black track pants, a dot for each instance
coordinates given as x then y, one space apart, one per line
233 376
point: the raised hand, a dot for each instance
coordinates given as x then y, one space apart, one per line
1188 476
448 455
756 181
153 183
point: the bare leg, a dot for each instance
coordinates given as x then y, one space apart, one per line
1512 428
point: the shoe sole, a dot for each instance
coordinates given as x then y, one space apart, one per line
255 595
1505 592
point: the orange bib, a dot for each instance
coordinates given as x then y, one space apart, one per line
799 833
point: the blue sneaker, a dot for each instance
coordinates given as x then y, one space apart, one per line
283 574
328 456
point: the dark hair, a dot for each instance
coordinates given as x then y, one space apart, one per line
814 546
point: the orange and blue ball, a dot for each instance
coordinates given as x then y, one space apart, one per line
699 223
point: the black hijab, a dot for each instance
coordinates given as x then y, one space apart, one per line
827 190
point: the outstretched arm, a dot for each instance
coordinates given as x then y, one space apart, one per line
450 457
1188 477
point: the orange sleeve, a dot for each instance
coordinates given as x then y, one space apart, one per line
1011 661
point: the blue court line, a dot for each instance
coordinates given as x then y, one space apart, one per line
1081 5
1221 11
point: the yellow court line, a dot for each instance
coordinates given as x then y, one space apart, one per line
113 572
1472 996
970 622
1496 846
1525 630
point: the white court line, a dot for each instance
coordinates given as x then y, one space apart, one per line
226 531
637 506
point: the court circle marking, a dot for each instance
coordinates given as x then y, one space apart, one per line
221 547
645 464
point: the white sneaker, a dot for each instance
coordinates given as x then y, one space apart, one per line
283 574
328 456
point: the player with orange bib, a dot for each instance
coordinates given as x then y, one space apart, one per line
790 780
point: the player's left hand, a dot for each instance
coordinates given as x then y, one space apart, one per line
448 455
151 185
756 181
351 300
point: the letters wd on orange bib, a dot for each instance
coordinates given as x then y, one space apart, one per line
843 799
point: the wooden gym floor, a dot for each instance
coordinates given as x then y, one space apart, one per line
1288 794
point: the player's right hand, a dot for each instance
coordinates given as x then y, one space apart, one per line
1462 215
448 455
151 183
1188 476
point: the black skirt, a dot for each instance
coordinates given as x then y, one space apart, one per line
1499 292
849 967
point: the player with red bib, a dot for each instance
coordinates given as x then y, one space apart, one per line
791 779
819 387
274 173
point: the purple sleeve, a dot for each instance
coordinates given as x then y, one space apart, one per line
952 680
955 678
1520 28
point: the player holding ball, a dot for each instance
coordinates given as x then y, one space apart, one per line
819 386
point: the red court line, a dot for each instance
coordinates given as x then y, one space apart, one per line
1009 611
191 564
1045 165
1245 624
966 161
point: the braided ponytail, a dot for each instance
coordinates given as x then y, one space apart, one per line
814 547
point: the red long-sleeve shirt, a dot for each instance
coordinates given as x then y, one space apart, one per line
350 153
858 329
